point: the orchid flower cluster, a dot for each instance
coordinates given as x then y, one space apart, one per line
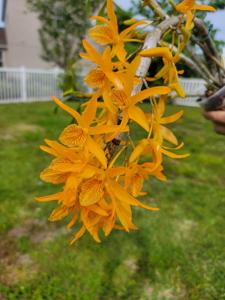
101 168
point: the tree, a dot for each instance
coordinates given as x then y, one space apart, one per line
63 26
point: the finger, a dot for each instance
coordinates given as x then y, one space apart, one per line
215 116
219 128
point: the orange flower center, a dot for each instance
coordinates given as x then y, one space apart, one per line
73 136
119 99
96 78
103 35
91 192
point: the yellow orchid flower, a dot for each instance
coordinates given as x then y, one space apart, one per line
109 34
134 178
158 120
187 7
155 149
103 75
169 71
79 135
125 101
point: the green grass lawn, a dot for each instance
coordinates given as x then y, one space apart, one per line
177 253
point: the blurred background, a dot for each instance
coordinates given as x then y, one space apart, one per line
178 252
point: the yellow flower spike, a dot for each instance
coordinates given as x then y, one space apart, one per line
99 193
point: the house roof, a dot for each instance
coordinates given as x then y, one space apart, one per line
3 40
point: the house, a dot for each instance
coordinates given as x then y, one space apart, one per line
19 40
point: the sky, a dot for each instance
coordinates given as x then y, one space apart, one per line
217 18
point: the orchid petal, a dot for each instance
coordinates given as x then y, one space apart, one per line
136 114
95 149
173 118
68 109
158 90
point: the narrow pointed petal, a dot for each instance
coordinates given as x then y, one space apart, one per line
158 52
161 106
98 210
95 149
173 118
99 18
138 150
59 213
68 109
108 101
181 145
124 197
174 155
123 210
73 220
94 233
204 7
95 56
185 5
90 112
85 56
179 89
189 21
108 226
48 150
79 234
168 135
120 51
115 78
52 197
102 35
136 114
111 14
126 31
104 129
159 90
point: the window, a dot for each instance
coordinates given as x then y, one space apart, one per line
2 13
1 59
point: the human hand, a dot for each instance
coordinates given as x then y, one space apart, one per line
218 118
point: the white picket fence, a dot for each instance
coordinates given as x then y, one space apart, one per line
194 88
30 85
